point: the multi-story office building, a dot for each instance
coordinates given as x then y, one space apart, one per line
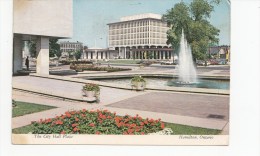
140 36
67 46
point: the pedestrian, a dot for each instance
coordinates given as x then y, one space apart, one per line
27 63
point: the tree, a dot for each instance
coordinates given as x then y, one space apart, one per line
54 48
77 54
193 19
32 48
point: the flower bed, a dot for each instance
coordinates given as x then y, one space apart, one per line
82 67
68 62
97 122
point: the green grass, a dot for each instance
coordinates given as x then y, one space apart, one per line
23 108
23 130
177 130
190 130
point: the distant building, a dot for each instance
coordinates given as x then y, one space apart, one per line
67 47
140 36
99 53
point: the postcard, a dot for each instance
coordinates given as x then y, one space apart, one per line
121 72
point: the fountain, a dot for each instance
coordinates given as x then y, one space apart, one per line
186 70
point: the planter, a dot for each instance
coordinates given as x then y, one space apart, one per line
89 94
139 85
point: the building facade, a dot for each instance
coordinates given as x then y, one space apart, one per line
67 47
99 54
31 22
140 36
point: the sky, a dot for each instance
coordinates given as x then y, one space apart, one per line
90 17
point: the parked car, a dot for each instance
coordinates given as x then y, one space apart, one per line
213 62
202 63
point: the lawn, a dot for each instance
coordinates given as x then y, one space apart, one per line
23 108
177 130
189 130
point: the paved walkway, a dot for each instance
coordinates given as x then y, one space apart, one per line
183 108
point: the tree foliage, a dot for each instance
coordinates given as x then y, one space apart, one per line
54 47
193 19
32 48
77 54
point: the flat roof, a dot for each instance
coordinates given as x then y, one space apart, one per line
141 16
64 42
138 17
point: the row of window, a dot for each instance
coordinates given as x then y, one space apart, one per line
67 50
140 35
70 45
138 29
137 24
140 41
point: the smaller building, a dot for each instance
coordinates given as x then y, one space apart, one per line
67 47
99 53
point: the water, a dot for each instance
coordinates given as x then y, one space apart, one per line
162 82
186 70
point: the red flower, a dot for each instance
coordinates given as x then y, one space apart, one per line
62 132
68 115
84 110
76 119
47 121
92 125
58 122
83 115
133 125
119 124
109 117
151 120
142 133
75 129
97 132
125 133
130 131
74 125
162 125
146 122
141 123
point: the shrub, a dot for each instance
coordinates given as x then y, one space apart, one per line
82 67
97 122
138 79
68 62
91 87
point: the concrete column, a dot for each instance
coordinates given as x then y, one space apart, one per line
17 54
163 55
42 48
125 53
171 55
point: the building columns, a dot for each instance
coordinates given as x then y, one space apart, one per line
17 54
42 49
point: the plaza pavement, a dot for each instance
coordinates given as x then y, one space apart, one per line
183 108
